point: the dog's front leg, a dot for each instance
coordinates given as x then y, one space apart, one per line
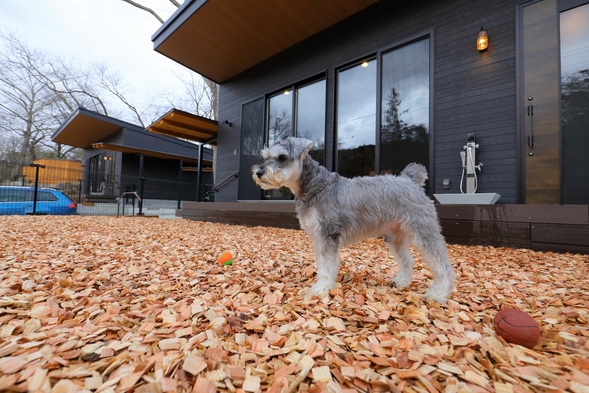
327 254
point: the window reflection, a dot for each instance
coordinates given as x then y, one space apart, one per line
405 107
574 57
310 119
356 120
279 116
279 127
310 122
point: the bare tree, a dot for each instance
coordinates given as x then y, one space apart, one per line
195 98
112 82
192 86
39 91
25 105
74 86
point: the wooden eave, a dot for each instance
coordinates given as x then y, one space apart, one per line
222 38
187 126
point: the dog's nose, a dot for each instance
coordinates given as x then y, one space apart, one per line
260 173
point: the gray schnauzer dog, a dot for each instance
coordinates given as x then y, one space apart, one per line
336 211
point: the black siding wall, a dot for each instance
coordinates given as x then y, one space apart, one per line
472 91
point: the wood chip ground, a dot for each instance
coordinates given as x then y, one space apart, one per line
107 304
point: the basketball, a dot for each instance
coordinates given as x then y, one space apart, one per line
517 327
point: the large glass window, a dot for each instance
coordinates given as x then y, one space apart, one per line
310 118
574 57
279 116
279 127
304 117
356 120
404 133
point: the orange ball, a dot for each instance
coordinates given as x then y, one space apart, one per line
226 259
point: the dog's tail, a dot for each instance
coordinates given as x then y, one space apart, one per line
415 172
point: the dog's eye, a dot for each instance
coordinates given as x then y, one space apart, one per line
282 158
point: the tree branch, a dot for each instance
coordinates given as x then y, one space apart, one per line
144 8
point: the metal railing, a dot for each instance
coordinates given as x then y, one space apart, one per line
216 187
124 194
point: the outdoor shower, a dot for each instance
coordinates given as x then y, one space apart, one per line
468 165
469 181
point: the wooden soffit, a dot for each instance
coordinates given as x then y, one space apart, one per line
83 128
222 38
187 126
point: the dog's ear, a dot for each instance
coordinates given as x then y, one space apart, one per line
299 147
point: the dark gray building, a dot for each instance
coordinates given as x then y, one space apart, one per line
377 84
122 157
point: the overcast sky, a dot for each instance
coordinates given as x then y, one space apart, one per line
573 39
108 31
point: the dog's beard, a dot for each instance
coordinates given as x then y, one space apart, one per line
272 179
263 184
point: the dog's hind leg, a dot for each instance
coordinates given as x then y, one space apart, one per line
430 243
399 246
327 255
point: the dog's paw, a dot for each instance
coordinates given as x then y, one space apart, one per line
310 293
400 282
437 295
318 288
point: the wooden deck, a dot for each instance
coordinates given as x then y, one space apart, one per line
274 214
536 227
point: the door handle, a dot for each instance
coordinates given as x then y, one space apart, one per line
531 116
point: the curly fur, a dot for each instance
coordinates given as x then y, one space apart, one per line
336 211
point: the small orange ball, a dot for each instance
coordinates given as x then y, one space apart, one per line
226 259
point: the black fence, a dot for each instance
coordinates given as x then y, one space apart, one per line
95 193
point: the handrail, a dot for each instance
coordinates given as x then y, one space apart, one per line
134 193
215 187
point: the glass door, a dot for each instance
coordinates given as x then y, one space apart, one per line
252 143
574 58
539 103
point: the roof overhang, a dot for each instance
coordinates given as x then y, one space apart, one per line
187 126
222 38
85 127
86 130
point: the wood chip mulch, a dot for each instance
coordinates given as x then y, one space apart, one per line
107 304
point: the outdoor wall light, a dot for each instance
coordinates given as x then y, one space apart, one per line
365 64
228 123
482 40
